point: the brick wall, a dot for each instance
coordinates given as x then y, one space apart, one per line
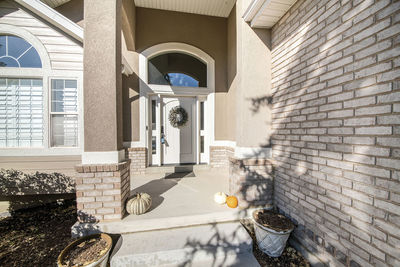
336 121
101 191
251 181
219 156
138 157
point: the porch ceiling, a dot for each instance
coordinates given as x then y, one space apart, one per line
220 8
265 13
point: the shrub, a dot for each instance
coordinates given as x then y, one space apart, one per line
14 182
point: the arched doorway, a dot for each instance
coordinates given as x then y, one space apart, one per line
176 84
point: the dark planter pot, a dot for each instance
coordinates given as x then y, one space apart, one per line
102 262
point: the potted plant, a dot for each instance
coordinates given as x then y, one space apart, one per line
272 231
88 251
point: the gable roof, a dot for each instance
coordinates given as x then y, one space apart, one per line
53 17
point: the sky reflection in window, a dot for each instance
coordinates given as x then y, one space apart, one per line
180 79
15 52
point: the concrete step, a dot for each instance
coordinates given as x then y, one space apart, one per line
221 244
176 169
147 222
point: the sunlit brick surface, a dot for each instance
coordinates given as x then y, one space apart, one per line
336 123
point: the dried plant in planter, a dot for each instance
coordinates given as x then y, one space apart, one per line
272 231
273 220
90 250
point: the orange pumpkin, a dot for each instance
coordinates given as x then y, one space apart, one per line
232 202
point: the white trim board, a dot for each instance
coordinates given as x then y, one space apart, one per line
252 10
34 41
54 17
253 152
103 157
146 90
265 13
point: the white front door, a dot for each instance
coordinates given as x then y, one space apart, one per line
179 142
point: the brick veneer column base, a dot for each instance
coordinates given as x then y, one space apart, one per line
101 191
251 181
139 159
219 156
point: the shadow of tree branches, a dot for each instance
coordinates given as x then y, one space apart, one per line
222 246
24 190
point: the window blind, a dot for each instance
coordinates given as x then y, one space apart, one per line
21 112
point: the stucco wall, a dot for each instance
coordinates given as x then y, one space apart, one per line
103 108
205 32
253 116
230 99
130 84
336 110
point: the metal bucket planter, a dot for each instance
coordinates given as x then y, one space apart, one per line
269 241
102 262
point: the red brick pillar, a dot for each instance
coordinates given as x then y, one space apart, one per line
101 191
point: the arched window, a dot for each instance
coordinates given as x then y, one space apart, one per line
15 52
38 104
177 69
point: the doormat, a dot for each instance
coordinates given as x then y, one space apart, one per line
172 175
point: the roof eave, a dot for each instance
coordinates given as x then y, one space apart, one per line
52 16
252 10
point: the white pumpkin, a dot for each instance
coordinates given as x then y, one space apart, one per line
138 204
220 198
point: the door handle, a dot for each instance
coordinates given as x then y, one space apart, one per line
162 139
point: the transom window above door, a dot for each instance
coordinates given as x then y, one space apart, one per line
177 69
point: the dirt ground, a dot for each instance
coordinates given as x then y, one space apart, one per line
290 257
35 237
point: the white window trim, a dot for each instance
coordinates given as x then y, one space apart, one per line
46 73
149 89
30 38
50 113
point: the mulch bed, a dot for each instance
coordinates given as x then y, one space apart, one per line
290 257
35 237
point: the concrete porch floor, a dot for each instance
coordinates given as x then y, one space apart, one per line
178 202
